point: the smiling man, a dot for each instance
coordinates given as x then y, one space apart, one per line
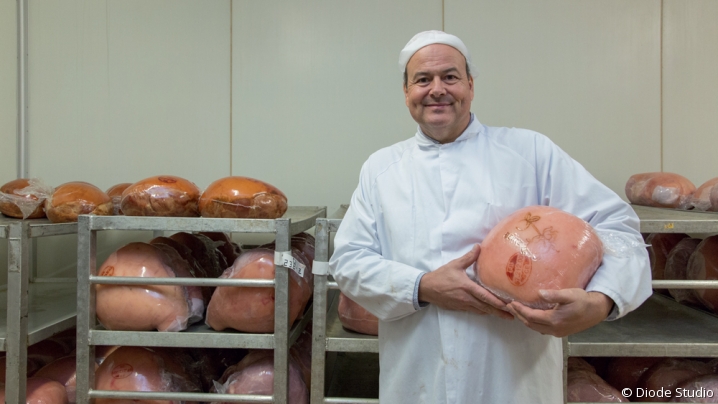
413 228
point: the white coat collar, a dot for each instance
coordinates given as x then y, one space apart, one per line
471 131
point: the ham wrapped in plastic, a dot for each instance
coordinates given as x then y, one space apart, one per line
703 265
356 318
251 309
625 372
538 247
115 193
63 371
701 389
700 199
142 369
662 190
677 268
77 198
40 391
162 195
668 374
661 246
147 307
585 386
255 375
24 198
242 197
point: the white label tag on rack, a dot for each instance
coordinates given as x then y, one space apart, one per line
286 260
320 268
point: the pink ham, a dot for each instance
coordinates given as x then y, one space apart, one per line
668 374
142 369
255 375
714 199
662 190
150 307
356 318
202 250
701 389
62 371
677 266
625 372
701 197
33 365
41 391
251 309
301 352
703 265
579 364
661 246
586 386
538 247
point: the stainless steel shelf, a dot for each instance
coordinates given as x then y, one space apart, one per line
661 220
295 220
31 311
660 327
51 310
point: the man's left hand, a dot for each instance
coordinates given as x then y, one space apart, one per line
576 310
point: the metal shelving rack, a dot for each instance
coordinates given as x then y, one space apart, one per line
660 327
295 220
34 310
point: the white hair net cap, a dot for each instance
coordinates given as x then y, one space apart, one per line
427 38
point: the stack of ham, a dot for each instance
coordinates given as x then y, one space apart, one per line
663 190
701 197
162 195
40 391
584 385
677 268
255 375
24 198
538 247
251 309
703 265
661 246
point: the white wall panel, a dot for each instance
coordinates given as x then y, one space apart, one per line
317 89
690 89
584 73
8 91
122 90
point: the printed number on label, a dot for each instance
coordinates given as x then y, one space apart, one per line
289 262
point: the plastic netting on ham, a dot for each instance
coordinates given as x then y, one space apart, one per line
23 198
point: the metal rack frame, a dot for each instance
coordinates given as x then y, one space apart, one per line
26 323
296 220
641 333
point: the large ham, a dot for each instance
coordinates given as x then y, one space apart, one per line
538 247
301 351
666 375
40 391
662 190
242 197
701 197
586 386
203 250
64 372
661 246
703 265
701 389
251 309
162 195
77 198
224 244
356 318
714 199
146 307
255 375
142 369
23 198
677 266
625 372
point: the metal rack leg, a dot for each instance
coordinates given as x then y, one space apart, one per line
86 265
281 317
319 325
17 309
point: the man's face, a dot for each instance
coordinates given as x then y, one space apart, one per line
439 91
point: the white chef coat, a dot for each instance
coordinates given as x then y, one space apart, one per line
421 204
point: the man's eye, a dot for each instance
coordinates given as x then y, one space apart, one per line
451 77
422 80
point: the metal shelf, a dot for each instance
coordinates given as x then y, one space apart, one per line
31 311
339 339
295 220
661 220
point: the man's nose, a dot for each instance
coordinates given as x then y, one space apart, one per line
437 87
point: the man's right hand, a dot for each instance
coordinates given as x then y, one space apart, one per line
450 288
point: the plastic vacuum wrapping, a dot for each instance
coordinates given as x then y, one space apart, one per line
625 372
714 199
703 265
143 369
701 389
162 195
700 199
585 386
661 245
663 190
242 197
356 318
538 247
63 371
41 391
146 307
255 375
24 198
668 374
677 268
72 199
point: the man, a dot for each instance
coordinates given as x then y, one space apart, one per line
413 227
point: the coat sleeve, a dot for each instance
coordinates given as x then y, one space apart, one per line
565 184
384 287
